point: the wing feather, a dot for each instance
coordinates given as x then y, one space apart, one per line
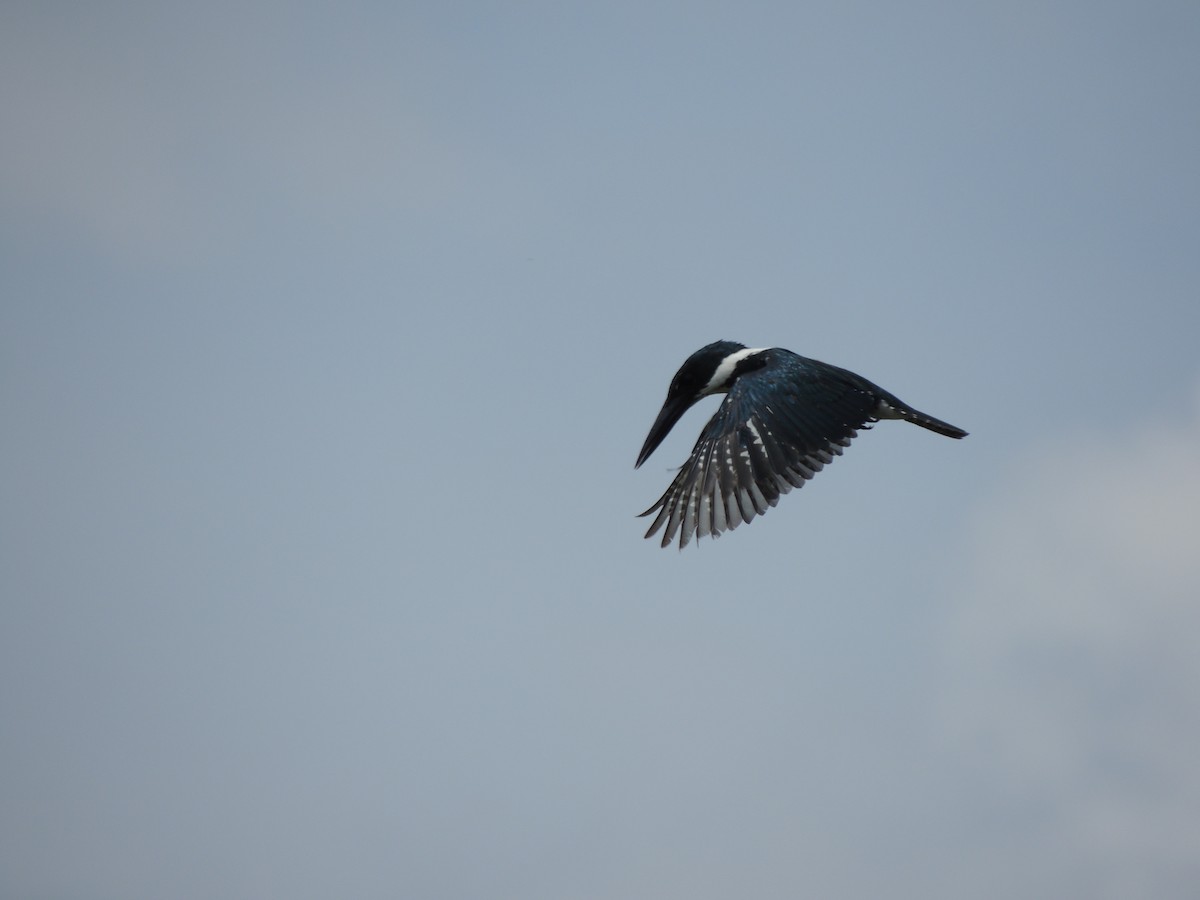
772 433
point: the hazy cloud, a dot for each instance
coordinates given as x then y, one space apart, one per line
1074 668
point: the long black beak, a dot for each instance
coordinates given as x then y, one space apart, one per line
671 412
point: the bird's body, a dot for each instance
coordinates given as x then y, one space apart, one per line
783 419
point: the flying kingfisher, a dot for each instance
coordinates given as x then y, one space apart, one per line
783 418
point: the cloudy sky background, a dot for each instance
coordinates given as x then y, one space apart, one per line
328 340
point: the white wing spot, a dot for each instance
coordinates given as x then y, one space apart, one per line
754 431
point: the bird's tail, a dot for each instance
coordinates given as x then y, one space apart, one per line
920 418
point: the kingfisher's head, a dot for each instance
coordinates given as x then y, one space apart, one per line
710 370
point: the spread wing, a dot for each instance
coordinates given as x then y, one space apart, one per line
772 433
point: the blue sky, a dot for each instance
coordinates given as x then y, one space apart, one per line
329 339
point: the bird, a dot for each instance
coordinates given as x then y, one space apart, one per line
784 418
